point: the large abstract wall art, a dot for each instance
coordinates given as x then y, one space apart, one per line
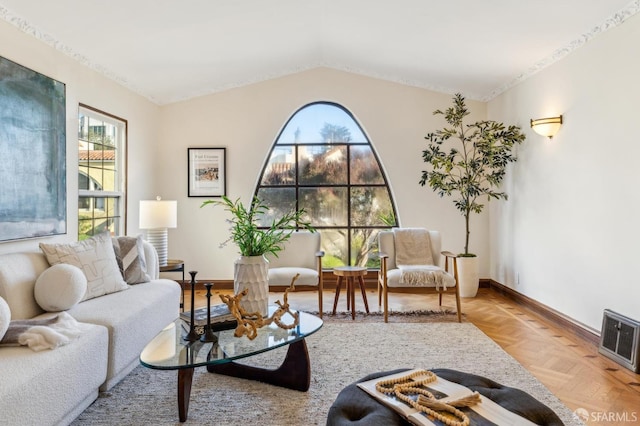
32 154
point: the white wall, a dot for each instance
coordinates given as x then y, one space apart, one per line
570 229
247 120
86 86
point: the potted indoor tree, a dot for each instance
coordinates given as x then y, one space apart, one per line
468 162
251 269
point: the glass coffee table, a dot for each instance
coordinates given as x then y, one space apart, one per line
169 351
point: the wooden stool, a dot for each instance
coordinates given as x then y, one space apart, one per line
350 272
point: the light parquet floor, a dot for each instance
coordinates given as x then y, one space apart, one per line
567 365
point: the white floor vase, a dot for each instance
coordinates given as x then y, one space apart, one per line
468 276
252 273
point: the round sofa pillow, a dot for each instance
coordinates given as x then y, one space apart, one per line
5 317
60 287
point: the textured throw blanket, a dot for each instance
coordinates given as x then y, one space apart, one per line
422 275
415 260
413 246
41 334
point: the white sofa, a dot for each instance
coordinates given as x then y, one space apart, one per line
53 387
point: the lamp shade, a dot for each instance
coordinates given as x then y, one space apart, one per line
156 214
547 126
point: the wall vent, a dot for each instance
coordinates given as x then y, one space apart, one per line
619 340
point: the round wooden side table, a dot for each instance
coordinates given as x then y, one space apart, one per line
350 273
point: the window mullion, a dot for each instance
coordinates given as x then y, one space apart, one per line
337 178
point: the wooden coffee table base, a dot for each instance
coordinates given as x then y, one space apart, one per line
294 373
185 377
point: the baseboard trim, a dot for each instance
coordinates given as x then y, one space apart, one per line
583 331
588 334
217 284
329 282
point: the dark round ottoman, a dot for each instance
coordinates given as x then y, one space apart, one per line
354 406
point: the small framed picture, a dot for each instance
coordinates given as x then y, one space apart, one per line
207 170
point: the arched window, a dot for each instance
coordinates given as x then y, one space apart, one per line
323 162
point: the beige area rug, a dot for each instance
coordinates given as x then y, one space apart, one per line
341 353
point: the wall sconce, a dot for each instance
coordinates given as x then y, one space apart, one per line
547 126
156 216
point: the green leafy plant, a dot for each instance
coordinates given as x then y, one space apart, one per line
474 166
252 239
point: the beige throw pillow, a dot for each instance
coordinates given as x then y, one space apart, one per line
97 260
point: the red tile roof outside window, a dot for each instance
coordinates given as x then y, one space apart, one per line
95 155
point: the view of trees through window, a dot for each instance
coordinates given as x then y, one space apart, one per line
323 162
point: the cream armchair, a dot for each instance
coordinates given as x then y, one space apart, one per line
428 274
301 254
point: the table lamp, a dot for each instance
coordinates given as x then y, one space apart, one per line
156 216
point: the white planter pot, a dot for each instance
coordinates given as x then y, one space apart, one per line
468 276
252 273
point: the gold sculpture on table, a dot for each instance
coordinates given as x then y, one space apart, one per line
250 322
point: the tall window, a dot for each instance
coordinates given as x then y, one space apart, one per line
323 162
101 172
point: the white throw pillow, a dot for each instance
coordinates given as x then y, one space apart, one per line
60 287
5 317
96 258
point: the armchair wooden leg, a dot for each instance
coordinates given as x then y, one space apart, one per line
458 304
320 301
386 304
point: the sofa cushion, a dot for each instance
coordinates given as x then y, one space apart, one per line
133 318
18 274
131 260
283 276
97 260
60 287
5 317
52 387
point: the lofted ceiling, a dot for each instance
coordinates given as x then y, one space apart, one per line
171 50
